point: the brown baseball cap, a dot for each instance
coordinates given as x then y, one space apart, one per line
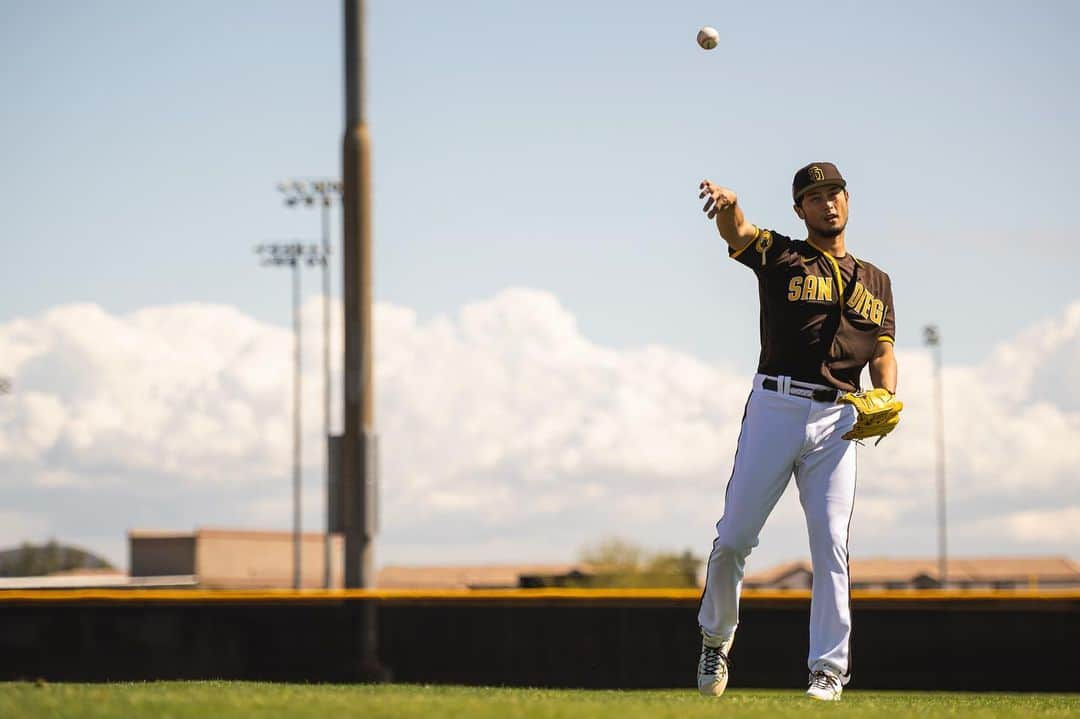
814 175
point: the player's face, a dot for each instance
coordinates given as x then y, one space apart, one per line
825 210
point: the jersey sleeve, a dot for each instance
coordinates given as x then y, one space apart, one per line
887 333
763 252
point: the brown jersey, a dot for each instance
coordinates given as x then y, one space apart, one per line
821 317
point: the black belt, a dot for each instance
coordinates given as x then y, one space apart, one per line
818 395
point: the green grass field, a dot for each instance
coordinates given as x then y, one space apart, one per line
251 699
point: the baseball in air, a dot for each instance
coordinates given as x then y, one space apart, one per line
708 37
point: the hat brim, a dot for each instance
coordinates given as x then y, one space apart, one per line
842 184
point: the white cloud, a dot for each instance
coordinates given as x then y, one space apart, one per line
1052 525
17 527
174 392
505 433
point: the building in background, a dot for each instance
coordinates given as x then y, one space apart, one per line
479 576
254 559
247 559
981 573
234 558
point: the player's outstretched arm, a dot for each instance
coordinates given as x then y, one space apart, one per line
883 367
723 206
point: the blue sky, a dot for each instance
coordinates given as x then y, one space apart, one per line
535 180
552 145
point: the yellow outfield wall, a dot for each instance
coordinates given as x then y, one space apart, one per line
516 595
596 638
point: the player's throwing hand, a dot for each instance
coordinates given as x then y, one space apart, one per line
720 199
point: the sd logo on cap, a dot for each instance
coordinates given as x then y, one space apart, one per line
814 175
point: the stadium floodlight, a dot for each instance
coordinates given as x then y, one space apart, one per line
324 192
294 255
932 339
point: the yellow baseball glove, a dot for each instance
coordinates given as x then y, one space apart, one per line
879 413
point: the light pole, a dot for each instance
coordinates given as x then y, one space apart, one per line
294 255
299 193
932 339
359 459
360 445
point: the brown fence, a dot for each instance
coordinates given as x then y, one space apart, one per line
1023 641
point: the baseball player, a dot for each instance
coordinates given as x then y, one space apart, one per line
824 315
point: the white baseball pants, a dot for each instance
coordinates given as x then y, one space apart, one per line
784 434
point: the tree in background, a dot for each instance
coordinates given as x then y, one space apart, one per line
29 560
617 563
